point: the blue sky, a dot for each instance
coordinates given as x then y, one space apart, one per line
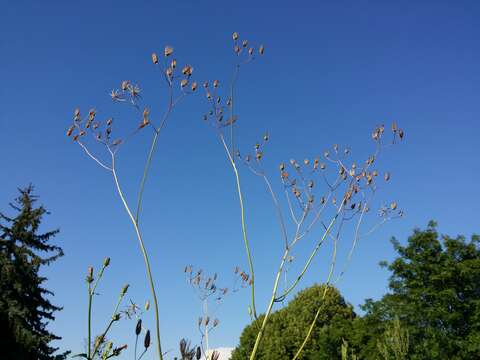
331 72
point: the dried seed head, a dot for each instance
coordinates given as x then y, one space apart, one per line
187 70
387 176
76 114
311 184
109 121
90 274
237 49
282 167
146 342
116 142
284 175
183 83
235 36
194 86
147 305
168 51
245 43
154 58
335 147
215 322
401 134
215 83
315 163
125 85
173 64
207 320
322 166
259 155
265 137
393 205
394 127
250 51
306 161
261 50
138 328
322 200
70 130
326 154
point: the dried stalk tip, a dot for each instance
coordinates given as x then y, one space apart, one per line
90 274
168 51
235 36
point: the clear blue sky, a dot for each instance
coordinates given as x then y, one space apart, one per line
331 72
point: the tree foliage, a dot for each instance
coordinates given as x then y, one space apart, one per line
435 292
288 326
24 306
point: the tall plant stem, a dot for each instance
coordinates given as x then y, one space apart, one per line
244 227
90 296
145 173
144 253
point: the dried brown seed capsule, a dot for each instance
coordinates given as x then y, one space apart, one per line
138 328
237 49
183 83
250 51
146 342
173 64
261 49
215 322
81 133
75 138
401 134
207 320
282 166
147 305
387 176
215 83
125 84
393 205
70 130
109 121
265 137
284 175
322 200
235 36
306 161
259 155
311 184
322 166
315 163
245 43
90 274
194 86
76 114
116 142
154 58
394 127
187 70
168 51
326 154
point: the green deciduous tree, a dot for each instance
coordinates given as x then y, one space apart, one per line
24 306
435 292
288 326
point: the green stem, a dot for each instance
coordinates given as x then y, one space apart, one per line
145 257
145 173
89 320
244 226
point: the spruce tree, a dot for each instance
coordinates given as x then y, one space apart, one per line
25 309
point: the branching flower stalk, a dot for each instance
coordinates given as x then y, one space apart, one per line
351 184
102 133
